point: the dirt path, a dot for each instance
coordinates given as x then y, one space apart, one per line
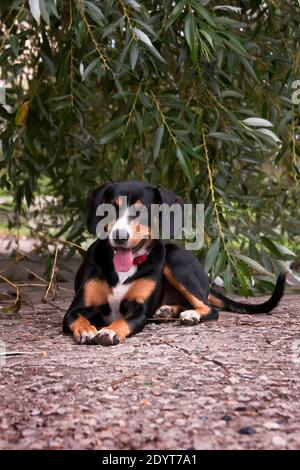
230 384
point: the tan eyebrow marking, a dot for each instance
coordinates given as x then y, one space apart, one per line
119 201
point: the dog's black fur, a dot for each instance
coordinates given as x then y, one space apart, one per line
170 280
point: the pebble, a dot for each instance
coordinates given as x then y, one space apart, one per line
247 430
271 425
226 418
279 441
241 409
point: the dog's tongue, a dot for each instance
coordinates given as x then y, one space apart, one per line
123 260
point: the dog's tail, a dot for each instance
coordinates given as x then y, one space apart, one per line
221 302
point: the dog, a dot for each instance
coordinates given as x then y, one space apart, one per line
127 276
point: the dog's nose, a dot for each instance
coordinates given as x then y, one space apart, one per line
120 236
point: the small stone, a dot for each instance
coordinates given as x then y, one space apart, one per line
233 380
28 432
203 418
247 430
241 409
271 425
145 402
279 441
250 413
226 418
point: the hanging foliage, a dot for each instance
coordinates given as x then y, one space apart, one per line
194 95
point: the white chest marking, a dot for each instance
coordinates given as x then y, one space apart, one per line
117 295
121 223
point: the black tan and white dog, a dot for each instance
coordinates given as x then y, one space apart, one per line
127 276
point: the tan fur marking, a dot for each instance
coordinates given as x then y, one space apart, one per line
120 327
215 301
119 201
138 203
95 293
140 290
139 233
199 306
80 325
203 310
176 309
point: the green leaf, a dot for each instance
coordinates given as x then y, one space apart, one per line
228 8
207 37
224 136
34 6
13 308
243 282
147 41
49 66
157 141
253 264
203 12
211 255
228 279
86 72
22 113
231 93
4 114
222 258
134 55
285 251
254 121
185 165
189 31
113 135
135 5
52 7
45 11
143 37
269 133
176 12
248 67
235 44
14 42
95 13
271 246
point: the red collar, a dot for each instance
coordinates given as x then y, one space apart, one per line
140 259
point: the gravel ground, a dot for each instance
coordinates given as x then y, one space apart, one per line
229 384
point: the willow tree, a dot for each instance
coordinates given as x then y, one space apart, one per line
194 95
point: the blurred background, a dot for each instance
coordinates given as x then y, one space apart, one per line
194 95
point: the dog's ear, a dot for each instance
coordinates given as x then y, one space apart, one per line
94 199
168 197
177 218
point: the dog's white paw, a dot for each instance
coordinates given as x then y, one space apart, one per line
106 337
165 311
189 317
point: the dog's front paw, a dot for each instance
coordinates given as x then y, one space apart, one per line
165 311
85 335
106 337
189 317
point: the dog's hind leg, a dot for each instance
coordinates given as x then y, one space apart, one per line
184 273
164 312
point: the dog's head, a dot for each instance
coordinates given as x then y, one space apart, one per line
123 213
